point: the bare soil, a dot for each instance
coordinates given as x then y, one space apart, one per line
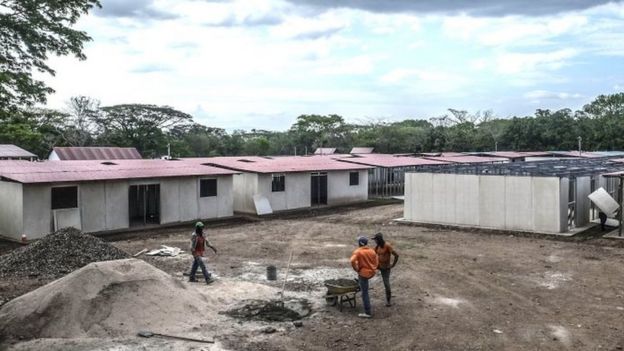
453 289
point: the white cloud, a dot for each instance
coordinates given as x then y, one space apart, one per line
545 94
516 63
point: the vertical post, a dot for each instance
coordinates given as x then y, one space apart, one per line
620 201
496 146
580 140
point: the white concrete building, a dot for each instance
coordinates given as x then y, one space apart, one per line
544 197
38 197
293 182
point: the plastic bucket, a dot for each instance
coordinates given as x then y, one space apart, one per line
271 273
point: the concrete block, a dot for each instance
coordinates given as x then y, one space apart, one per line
492 202
519 203
466 200
546 210
444 198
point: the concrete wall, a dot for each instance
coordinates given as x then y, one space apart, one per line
11 216
104 205
340 192
295 195
37 210
583 204
180 200
495 202
245 185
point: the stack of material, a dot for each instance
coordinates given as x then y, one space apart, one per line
58 254
106 299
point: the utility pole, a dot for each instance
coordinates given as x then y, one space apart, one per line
580 140
496 146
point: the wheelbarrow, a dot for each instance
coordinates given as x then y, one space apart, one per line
341 291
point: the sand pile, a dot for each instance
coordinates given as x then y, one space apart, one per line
106 299
58 254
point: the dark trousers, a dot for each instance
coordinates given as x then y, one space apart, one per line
385 275
199 262
365 298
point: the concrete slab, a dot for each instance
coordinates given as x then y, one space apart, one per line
614 235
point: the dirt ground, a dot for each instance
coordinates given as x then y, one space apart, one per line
453 289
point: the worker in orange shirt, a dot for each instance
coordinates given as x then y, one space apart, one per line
384 251
364 262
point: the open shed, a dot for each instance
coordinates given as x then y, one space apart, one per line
544 197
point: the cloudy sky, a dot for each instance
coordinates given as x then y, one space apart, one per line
261 63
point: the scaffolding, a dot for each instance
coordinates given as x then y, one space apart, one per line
563 168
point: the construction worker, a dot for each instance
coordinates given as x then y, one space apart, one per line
198 244
364 262
384 250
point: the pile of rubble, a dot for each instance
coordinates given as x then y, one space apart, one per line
58 254
271 311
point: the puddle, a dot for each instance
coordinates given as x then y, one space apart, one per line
299 279
561 333
271 310
447 301
552 280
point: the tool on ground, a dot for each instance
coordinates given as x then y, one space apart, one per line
149 334
285 278
140 253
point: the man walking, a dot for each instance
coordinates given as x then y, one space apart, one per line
198 244
384 251
364 262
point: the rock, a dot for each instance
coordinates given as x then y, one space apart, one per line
269 330
298 324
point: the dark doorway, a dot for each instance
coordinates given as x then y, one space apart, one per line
319 188
144 204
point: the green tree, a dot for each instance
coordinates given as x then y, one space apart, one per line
314 131
142 126
31 30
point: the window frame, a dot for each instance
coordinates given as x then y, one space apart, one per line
63 207
280 185
208 193
357 178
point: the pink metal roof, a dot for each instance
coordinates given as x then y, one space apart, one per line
279 164
82 171
10 150
469 159
441 154
388 161
97 153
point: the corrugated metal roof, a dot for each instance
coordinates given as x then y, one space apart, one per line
362 150
283 164
517 154
97 153
389 161
325 151
89 170
584 154
469 159
10 150
441 154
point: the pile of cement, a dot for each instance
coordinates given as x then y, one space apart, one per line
271 311
106 299
58 254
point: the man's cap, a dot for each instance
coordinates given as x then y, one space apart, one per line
378 236
199 225
362 240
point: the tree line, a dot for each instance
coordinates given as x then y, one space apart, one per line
32 31
151 129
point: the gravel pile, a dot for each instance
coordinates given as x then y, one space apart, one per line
57 254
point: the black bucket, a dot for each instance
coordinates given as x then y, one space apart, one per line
271 273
